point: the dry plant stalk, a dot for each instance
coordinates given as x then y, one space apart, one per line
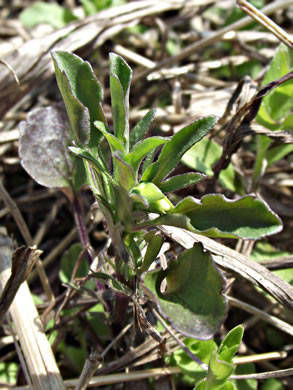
32 62
23 261
41 364
235 262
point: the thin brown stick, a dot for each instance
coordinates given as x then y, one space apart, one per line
23 260
270 319
268 23
236 263
208 41
40 361
15 212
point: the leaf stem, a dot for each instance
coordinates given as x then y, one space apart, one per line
81 228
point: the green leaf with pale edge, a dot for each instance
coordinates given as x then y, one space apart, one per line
216 216
141 149
193 303
148 161
142 127
114 142
120 78
125 173
175 183
82 95
173 150
96 164
148 195
152 252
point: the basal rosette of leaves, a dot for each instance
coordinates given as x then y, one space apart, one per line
129 174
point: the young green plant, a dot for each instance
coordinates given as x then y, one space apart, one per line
131 177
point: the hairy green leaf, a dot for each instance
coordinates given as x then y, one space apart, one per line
173 150
82 95
216 216
114 142
124 172
178 182
86 155
120 78
140 130
193 303
141 149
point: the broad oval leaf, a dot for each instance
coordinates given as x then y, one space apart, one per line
193 303
173 150
216 216
82 95
43 146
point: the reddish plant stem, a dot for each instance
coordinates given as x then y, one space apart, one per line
81 228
